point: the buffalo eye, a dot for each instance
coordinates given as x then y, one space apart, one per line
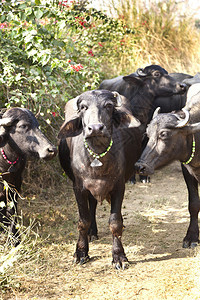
83 107
23 126
163 135
156 74
108 106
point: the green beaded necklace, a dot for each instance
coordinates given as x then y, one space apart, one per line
96 162
193 152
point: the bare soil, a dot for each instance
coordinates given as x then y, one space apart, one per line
156 219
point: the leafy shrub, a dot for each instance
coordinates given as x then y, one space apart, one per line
50 52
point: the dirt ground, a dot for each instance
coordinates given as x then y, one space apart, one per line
156 219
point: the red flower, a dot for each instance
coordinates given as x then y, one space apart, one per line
77 67
54 113
3 25
100 45
144 23
91 53
82 23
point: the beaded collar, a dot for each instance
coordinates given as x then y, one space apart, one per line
193 152
96 162
8 161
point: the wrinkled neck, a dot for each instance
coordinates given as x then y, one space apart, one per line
10 153
141 106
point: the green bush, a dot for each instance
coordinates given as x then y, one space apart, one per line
51 51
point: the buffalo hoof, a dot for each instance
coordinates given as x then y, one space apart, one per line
145 179
81 260
92 238
132 181
120 263
189 244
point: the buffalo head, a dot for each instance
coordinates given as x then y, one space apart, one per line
170 138
156 80
95 113
19 129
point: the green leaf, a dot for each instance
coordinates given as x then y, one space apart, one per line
18 77
28 11
61 24
22 6
22 16
2 18
38 14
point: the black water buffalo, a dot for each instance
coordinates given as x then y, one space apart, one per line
143 87
176 136
19 137
147 89
98 148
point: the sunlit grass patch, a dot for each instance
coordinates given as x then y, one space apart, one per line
21 261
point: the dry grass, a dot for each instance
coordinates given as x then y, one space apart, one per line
156 219
160 36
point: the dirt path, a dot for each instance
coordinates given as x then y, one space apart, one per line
156 219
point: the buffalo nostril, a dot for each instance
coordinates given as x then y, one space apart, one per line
95 127
52 150
101 127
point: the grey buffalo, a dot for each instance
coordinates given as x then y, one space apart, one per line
176 136
19 137
99 144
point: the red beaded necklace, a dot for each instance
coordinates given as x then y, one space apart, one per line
8 161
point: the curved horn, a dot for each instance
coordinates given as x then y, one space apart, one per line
156 112
118 97
140 72
182 123
6 121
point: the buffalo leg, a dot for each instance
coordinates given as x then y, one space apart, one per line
116 226
82 246
3 219
8 217
12 216
192 237
93 231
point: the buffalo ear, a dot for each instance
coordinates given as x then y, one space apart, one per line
191 128
4 123
3 140
3 136
133 79
70 128
124 119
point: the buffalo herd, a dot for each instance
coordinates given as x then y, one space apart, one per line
131 124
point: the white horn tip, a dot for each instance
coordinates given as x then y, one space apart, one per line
186 119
